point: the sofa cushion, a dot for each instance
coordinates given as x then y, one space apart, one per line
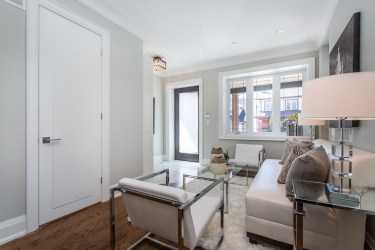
312 166
298 149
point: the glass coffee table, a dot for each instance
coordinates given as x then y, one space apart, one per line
231 171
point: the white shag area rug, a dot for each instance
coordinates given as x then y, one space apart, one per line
234 222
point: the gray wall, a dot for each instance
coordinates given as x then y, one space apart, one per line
158 89
12 111
211 104
364 136
126 97
323 71
126 102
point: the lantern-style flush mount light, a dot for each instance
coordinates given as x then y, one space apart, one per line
159 64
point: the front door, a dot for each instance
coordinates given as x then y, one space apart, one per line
186 124
70 123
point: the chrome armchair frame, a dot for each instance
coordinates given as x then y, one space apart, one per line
181 207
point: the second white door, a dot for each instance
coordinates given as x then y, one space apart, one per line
70 141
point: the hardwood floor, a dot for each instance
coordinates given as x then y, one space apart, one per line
89 228
85 229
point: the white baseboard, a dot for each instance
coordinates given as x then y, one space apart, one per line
159 159
12 229
369 241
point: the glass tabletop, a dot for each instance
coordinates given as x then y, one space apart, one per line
231 171
318 193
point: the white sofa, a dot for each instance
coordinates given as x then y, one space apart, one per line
269 213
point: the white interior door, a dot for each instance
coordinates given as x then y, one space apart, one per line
70 69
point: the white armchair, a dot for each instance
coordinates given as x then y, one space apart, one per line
248 155
168 212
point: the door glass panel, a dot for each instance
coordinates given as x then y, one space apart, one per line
188 122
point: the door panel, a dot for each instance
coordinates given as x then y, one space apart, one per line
186 124
69 109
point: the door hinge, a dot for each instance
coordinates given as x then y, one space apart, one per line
101 116
101 52
101 180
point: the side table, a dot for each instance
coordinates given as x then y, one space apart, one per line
315 193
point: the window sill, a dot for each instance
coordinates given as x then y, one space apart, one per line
262 137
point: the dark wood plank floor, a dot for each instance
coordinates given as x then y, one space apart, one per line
86 229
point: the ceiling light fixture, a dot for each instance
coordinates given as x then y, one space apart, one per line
159 64
201 51
280 31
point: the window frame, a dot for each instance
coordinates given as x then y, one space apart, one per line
247 73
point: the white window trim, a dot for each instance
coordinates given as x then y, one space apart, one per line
309 63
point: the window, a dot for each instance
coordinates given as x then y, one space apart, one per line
237 106
256 103
262 93
291 104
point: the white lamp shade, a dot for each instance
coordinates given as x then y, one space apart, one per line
310 122
348 96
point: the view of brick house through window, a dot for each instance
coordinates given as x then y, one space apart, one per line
262 102
290 97
237 107
258 110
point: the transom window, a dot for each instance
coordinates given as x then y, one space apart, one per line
258 103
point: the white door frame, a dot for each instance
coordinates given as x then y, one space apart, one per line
169 118
32 110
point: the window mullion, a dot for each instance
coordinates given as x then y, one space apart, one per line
276 104
250 106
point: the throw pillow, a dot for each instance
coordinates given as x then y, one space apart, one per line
297 150
288 146
312 166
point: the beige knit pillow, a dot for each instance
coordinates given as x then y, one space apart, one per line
297 150
288 146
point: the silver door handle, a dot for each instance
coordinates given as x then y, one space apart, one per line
49 140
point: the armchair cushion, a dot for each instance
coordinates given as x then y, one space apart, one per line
246 154
158 190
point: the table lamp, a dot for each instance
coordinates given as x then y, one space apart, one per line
311 123
340 97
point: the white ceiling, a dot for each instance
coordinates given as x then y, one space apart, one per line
199 34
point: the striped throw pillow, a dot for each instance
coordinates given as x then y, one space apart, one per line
297 150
